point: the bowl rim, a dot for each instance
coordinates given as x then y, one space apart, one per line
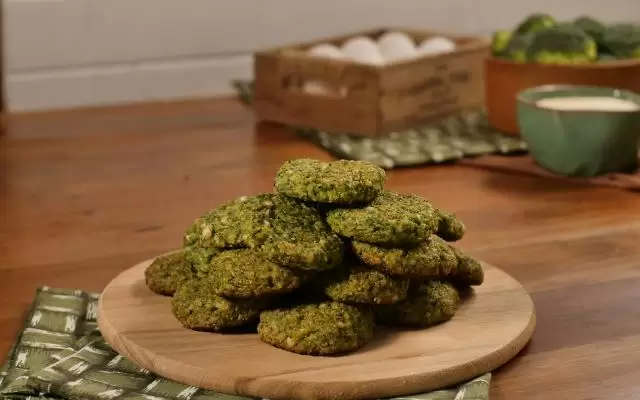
635 97
616 64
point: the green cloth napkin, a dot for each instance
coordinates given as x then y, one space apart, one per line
60 354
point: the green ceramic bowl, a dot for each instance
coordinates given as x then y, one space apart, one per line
580 142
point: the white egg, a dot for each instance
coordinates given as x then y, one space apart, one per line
326 50
363 50
396 46
436 45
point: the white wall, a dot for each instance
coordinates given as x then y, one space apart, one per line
65 53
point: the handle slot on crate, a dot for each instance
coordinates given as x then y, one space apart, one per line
313 87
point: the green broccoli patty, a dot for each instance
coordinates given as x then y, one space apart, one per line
241 222
468 270
450 228
196 305
431 259
304 249
342 181
317 329
287 231
245 273
358 284
426 304
200 257
392 219
167 272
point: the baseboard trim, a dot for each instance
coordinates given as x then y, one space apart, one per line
125 83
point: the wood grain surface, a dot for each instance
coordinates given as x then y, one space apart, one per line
84 195
490 328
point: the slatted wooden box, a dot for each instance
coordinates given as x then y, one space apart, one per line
367 99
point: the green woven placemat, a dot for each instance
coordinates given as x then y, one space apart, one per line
455 137
60 355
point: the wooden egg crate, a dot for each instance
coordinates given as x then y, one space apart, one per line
368 99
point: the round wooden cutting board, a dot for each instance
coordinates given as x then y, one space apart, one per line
491 327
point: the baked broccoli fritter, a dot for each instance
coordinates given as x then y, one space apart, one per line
426 304
318 329
392 219
167 272
342 181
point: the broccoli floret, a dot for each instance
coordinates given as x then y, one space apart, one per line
591 27
500 42
605 58
623 41
517 48
561 45
535 23
626 30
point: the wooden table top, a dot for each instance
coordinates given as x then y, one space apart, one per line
86 194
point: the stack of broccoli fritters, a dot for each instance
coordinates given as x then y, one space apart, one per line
318 262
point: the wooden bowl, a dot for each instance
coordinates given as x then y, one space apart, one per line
504 79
